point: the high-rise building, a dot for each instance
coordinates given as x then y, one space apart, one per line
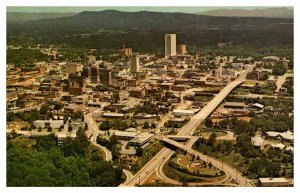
94 74
127 51
135 64
105 77
86 72
170 45
182 49
73 67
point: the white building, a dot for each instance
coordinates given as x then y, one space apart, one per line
275 182
257 141
125 135
140 139
278 145
182 112
113 115
61 137
55 124
135 64
170 45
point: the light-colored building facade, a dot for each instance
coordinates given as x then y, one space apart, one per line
170 45
182 49
135 64
273 182
48 123
73 67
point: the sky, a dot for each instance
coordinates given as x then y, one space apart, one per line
129 9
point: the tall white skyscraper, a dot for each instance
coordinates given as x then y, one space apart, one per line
170 45
135 64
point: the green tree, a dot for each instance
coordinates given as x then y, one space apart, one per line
10 116
49 129
116 97
70 128
210 165
146 125
139 151
153 126
113 140
105 125
227 146
57 106
44 109
212 139
279 69
208 123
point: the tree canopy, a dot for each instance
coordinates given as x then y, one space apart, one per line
47 164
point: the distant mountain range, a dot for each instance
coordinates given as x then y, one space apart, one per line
268 12
144 30
22 17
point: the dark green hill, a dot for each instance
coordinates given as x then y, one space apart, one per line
145 30
278 12
22 17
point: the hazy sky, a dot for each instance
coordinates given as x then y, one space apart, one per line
130 9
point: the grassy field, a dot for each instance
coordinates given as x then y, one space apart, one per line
23 141
16 124
203 174
206 134
241 91
203 131
245 118
184 177
253 82
185 160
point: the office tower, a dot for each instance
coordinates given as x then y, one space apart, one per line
105 77
182 49
94 74
170 45
127 51
86 72
135 64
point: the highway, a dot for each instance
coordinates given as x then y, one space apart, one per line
228 137
231 173
161 175
189 129
128 175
